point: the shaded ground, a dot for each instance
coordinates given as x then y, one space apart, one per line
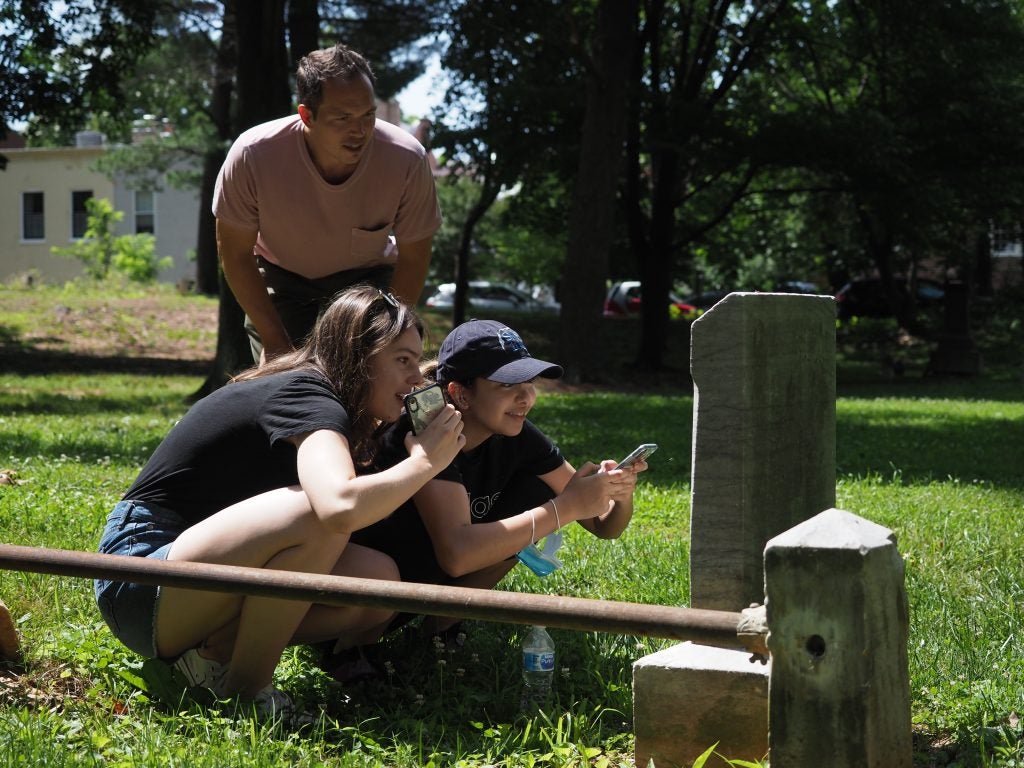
41 332
48 330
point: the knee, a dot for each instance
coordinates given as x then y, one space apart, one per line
365 563
385 569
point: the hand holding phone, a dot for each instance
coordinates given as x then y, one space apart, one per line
423 405
640 453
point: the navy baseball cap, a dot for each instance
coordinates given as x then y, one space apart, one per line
492 350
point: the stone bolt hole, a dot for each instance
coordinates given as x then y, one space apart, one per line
815 647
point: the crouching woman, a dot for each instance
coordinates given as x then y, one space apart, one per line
263 473
508 486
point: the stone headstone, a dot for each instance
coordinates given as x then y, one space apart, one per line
763 368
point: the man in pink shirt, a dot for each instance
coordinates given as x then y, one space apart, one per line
315 202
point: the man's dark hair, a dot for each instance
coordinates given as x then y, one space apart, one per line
327 64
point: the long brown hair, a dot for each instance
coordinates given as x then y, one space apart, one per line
358 324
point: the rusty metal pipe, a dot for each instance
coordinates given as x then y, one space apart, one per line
715 628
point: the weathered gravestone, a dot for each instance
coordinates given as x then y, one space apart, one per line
763 367
764 435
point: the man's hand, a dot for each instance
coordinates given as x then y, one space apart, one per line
235 248
411 270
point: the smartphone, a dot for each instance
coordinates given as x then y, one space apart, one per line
640 452
423 405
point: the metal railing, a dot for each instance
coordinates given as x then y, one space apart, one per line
723 629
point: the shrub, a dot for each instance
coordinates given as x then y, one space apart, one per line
100 251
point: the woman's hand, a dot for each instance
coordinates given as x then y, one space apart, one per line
587 494
441 441
624 480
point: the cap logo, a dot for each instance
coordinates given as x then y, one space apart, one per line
511 341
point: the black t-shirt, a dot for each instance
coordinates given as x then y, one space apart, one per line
499 476
232 444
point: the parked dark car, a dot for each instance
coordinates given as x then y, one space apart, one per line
623 300
797 286
705 300
865 297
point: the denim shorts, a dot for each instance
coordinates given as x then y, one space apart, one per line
136 529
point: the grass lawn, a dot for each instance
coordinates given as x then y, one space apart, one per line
940 462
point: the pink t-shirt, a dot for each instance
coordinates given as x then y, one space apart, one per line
268 182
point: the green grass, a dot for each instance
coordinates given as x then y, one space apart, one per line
940 462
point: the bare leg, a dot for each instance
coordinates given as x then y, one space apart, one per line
485 578
354 624
276 530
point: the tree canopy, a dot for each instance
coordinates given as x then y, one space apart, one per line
707 143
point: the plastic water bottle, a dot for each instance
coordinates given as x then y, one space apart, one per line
538 668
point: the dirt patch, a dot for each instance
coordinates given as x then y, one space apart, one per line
46 330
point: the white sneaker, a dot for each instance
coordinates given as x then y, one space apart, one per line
275 705
269 704
200 672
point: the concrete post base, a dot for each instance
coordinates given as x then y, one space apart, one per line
688 697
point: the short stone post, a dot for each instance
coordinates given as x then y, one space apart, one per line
839 693
10 648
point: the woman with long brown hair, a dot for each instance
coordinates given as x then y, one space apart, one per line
265 472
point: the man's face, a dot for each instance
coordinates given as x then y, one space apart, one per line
343 126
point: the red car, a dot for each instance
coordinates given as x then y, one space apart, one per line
623 300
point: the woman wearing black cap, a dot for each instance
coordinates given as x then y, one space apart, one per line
508 487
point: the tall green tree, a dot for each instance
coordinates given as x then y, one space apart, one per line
592 214
690 147
61 63
907 120
512 106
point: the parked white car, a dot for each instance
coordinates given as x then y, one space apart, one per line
494 297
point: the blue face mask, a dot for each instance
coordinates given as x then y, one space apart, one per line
542 561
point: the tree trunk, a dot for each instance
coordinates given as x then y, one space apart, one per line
592 217
263 79
264 93
207 263
488 194
303 28
656 262
233 351
982 263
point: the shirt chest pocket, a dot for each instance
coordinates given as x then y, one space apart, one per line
372 246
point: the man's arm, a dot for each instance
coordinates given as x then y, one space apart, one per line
411 270
234 246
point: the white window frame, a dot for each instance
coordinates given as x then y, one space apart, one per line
1005 242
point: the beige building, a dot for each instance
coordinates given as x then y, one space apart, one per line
42 205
